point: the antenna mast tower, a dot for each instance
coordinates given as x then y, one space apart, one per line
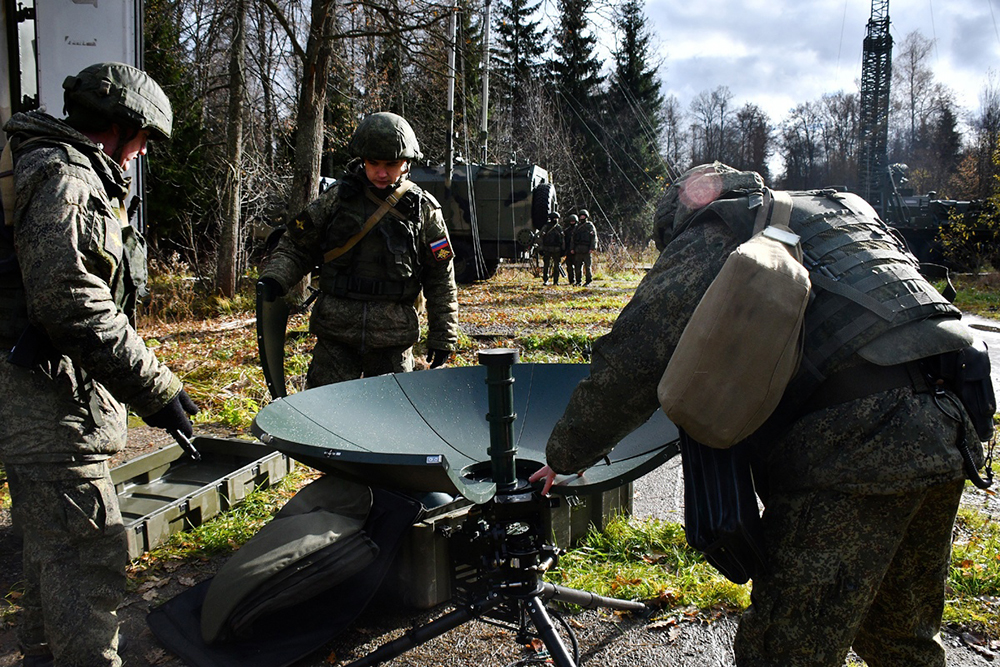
876 72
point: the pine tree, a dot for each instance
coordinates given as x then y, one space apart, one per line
518 59
576 70
633 125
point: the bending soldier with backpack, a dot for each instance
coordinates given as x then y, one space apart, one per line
861 466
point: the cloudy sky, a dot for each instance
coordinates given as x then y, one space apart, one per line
778 53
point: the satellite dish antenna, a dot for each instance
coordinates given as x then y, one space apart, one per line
427 431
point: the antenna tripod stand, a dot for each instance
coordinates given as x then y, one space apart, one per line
500 550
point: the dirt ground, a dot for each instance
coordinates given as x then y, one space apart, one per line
605 638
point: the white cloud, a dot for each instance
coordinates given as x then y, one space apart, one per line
784 52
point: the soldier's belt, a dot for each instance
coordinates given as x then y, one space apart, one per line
366 289
863 380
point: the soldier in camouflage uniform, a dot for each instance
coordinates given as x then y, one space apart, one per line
571 224
861 489
553 243
378 240
584 243
71 270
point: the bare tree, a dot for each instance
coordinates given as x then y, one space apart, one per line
710 130
230 237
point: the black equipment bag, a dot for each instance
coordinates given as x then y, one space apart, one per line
721 518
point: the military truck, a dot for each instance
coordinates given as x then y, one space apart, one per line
920 218
494 212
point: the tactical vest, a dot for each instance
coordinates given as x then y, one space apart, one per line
865 284
584 237
128 284
385 265
552 239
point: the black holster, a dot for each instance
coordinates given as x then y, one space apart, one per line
966 373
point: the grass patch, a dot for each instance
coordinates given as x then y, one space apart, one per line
979 295
647 560
974 579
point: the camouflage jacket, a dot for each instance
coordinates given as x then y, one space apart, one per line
409 253
69 234
584 237
887 442
553 240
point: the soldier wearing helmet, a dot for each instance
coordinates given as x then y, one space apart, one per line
572 220
379 241
553 244
71 272
583 243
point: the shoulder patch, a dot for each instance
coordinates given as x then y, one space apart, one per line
431 199
441 249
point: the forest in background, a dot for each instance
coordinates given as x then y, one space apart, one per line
267 92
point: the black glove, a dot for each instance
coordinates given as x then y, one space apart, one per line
437 357
270 289
174 415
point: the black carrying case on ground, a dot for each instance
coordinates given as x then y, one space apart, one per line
721 518
283 638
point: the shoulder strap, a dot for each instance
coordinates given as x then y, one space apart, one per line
775 211
384 207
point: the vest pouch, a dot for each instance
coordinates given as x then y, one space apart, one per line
742 345
966 373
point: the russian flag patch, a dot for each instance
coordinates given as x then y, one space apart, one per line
441 249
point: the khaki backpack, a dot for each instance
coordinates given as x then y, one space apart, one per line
743 344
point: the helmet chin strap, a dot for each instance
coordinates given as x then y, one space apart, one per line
125 135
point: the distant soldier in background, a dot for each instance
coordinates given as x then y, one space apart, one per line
572 222
379 240
584 242
553 245
71 271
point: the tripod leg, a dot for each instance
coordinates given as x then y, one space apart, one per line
551 639
589 600
420 635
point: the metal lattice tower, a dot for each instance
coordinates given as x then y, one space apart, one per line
876 72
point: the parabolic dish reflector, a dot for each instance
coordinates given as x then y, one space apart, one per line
427 430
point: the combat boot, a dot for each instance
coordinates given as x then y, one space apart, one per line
37 656
38 661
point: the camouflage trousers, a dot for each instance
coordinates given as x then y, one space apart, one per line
74 567
550 261
851 569
582 262
337 362
570 269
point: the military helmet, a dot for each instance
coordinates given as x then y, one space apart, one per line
554 216
573 219
384 136
584 213
122 94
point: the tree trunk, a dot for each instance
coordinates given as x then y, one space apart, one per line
229 245
312 103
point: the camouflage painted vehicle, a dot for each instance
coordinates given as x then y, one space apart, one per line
920 219
496 212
